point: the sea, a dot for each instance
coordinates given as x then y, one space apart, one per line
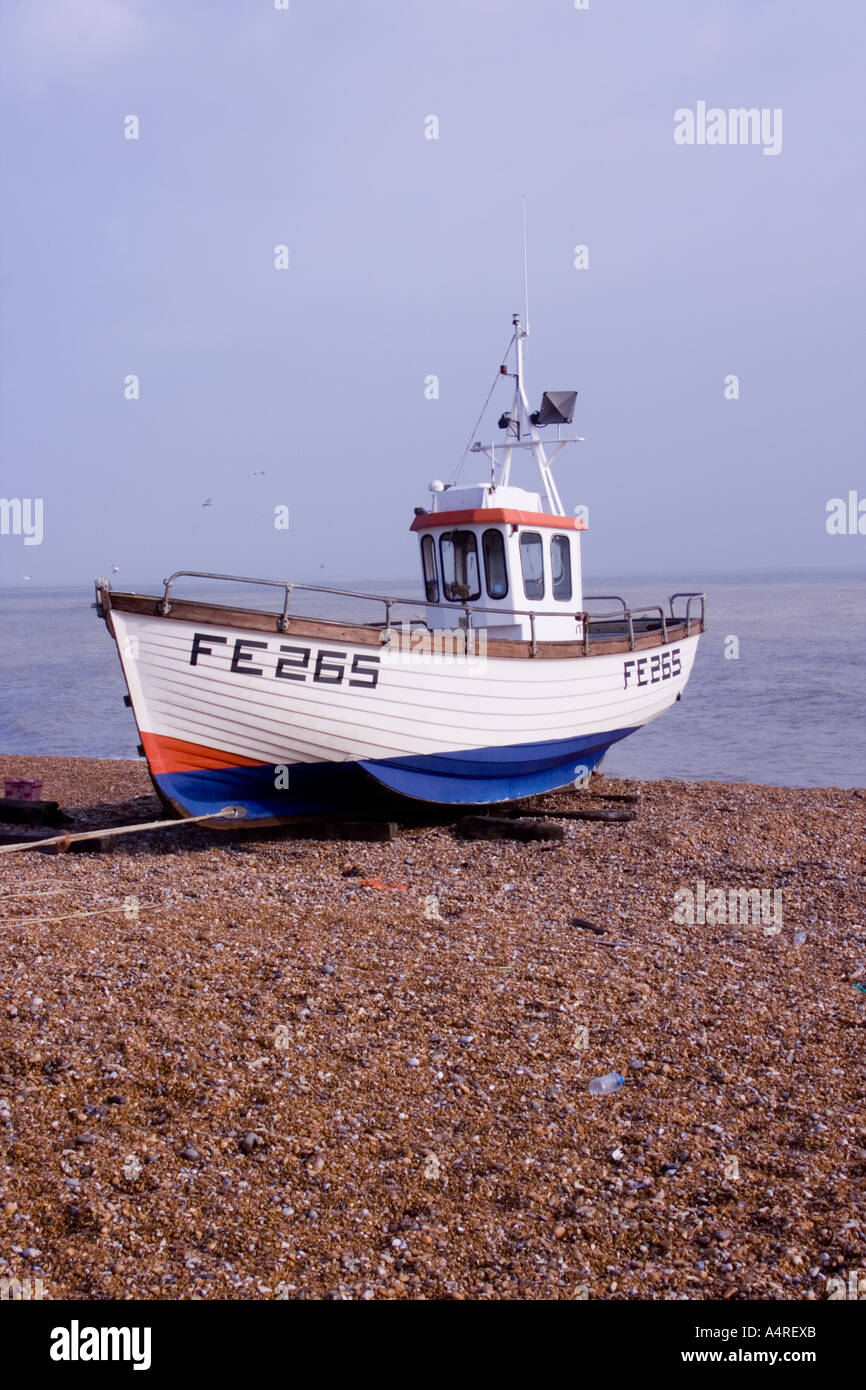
777 695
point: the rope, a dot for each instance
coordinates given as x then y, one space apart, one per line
68 916
104 834
483 409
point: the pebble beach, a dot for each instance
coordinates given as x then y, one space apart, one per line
246 1067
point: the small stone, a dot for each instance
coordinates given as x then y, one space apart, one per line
248 1142
83 1141
190 1153
413 1062
588 926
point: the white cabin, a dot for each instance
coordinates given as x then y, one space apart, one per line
496 551
500 551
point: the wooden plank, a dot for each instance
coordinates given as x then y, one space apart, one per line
345 830
629 798
505 828
612 814
23 838
16 812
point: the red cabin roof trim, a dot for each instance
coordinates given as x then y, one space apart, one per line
478 515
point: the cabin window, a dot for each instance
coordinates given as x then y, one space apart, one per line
560 566
460 577
428 562
495 568
532 564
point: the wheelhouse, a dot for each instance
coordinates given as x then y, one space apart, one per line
491 555
497 556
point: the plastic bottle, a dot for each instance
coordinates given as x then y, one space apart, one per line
603 1085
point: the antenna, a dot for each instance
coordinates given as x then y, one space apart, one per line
525 275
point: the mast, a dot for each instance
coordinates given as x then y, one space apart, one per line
522 433
525 273
520 429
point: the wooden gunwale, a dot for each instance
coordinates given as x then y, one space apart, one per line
359 634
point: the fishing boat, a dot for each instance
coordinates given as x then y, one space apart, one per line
504 681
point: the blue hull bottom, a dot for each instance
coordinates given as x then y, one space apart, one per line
349 790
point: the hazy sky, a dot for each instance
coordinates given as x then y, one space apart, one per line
260 127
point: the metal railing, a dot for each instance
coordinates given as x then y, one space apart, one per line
624 616
690 598
606 598
629 614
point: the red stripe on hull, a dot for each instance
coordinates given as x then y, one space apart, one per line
175 755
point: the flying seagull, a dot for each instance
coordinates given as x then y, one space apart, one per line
208 502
